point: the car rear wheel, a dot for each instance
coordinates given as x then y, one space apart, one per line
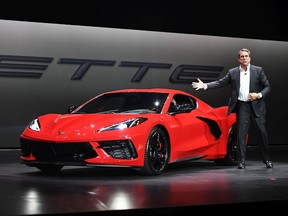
49 168
156 153
231 153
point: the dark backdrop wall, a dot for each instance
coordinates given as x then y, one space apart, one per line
257 19
260 25
37 66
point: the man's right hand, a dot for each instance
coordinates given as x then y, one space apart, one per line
198 85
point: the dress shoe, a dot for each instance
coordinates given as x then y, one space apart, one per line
241 166
269 164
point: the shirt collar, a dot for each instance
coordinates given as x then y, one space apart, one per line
241 70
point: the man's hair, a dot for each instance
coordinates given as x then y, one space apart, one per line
244 50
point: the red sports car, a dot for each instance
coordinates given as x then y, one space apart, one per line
145 129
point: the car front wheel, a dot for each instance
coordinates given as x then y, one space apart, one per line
156 153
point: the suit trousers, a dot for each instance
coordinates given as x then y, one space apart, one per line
245 115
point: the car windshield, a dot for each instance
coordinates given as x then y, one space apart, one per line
125 102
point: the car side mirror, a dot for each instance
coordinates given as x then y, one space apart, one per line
183 108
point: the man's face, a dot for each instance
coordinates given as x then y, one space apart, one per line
244 58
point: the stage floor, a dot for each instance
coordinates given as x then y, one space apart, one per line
182 189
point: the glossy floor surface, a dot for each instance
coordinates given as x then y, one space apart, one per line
182 189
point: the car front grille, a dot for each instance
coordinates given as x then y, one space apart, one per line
49 151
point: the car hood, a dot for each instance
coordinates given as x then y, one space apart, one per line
72 122
77 127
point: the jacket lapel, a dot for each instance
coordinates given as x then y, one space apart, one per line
251 77
237 78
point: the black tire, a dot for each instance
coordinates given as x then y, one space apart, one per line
231 154
156 153
49 168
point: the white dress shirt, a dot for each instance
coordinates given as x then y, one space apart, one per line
244 84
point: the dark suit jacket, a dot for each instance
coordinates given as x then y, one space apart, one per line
258 83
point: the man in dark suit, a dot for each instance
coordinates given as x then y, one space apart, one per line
249 86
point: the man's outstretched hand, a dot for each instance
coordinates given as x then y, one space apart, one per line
198 85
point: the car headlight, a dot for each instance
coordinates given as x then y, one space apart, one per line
123 125
34 125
